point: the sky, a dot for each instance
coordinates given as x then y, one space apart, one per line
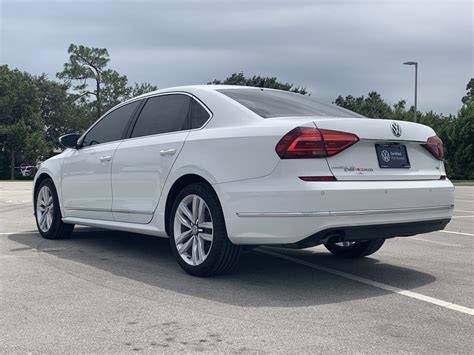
330 47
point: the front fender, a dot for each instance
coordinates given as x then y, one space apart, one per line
51 168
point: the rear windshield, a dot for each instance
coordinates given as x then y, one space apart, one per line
274 103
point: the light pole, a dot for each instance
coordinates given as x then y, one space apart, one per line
416 83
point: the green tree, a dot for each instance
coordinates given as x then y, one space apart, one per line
470 92
458 137
371 106
462 141
21 126
140 89
87 73
58 110
95 87
258 81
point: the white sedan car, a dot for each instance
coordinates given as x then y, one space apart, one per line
216 168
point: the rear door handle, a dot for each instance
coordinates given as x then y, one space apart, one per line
168 151
105 158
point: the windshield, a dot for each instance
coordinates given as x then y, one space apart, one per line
275 103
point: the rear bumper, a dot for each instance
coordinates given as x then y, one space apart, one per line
290 211
371 232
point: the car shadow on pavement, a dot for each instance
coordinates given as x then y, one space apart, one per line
260 280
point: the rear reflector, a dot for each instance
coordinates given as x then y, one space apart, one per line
310 142
434 145
318 178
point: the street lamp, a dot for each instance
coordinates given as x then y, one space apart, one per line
416 82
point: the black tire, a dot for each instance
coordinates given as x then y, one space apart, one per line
58 229
356 250
222 256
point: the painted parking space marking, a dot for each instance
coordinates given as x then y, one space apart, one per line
435 242
18 232
80 230
414 295
459 233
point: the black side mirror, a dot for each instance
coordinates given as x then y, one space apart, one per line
69 140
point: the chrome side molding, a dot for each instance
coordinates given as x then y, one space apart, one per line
345 213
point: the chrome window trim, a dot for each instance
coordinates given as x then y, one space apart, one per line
148 96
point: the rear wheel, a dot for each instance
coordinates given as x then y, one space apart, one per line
198 235
354 249
48 214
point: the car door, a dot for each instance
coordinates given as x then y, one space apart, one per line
86 173
142 163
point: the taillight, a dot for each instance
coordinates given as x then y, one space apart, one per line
434 145
309 142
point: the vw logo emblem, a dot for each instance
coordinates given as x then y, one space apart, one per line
385 155
396 129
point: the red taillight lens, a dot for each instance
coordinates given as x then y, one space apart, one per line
434 145
309 142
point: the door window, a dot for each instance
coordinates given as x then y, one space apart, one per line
111 127
163 114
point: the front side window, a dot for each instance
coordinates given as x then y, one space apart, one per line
111 127
275 103
163 114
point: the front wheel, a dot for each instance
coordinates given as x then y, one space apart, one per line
198 234
48 214
354 249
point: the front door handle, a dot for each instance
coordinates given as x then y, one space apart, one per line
105 158
168 151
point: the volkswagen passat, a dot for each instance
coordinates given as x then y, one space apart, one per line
215 168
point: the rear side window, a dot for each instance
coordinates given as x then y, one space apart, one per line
163 114
275 103
111 127
199 115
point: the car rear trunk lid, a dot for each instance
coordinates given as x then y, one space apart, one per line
381 150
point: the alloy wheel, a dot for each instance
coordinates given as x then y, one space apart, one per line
193 230
45 209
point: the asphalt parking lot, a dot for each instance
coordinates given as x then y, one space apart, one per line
105 291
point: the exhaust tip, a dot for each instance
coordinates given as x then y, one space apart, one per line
334 238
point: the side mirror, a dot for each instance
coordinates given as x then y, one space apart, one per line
69 140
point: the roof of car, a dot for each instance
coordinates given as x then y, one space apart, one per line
196 87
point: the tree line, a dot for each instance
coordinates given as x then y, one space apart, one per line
36 110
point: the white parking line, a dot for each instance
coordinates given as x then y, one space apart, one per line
35 232
435 242
460 200
462 216
463 211
19 232
380 285
460 233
